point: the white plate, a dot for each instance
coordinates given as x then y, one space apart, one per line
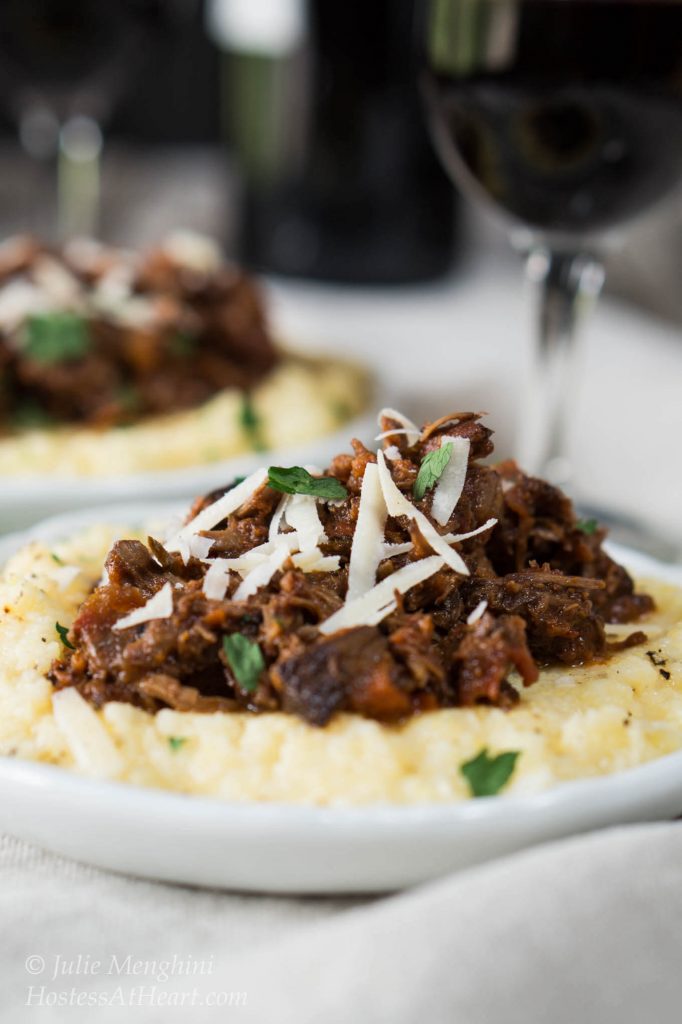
26 500
285 848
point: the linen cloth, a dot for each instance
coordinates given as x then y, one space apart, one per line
583 930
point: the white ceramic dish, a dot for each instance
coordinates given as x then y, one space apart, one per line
32 499
293 849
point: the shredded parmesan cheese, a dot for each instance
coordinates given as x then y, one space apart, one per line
88 741
449 486
391 550
199 547
398 505
219 509
454 538
477 613
277 517
368 547
65 575
263 573
160 606
370 608
216 581
408 427
315 561
302 515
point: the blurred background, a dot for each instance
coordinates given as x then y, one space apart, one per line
293 131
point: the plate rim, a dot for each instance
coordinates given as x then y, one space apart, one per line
151 482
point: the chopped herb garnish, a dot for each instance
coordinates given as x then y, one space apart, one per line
245 658
182 343
487 775
30 415
64 636
128 397
56 337
588 526
296 480
251 424
341 411
175 742
55 558
431 470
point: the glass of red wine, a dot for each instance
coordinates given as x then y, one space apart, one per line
566 116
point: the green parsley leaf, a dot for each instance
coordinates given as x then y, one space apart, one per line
431 470
56 337
182 344
296 480
341 411
245 658
63 636
251 424
128 398
29 415
55 558
487 775
175 742
588 526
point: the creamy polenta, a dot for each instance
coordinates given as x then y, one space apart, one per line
301 400
573 723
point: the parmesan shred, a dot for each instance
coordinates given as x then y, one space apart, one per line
315 561
373 606
86 737
301 515
477 613
216 581
398 505
410 429
454 538
224 506
368 547
263 573
199 547
277 517
160 606
450 485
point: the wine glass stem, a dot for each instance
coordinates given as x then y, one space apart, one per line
78 177
566 287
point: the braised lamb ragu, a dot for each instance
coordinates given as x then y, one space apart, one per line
535 589
102 337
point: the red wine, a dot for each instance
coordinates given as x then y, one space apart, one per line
566 113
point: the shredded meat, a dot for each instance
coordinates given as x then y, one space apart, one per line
548 587
126 364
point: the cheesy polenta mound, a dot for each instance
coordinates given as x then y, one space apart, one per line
572 723
301 400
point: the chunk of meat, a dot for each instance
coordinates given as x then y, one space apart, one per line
351 671
485 656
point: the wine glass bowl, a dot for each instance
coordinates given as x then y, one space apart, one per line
565 116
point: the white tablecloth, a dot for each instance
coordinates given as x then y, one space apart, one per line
586 930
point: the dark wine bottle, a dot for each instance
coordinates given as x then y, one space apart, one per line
326 127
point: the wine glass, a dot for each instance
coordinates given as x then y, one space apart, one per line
566 116
64 64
